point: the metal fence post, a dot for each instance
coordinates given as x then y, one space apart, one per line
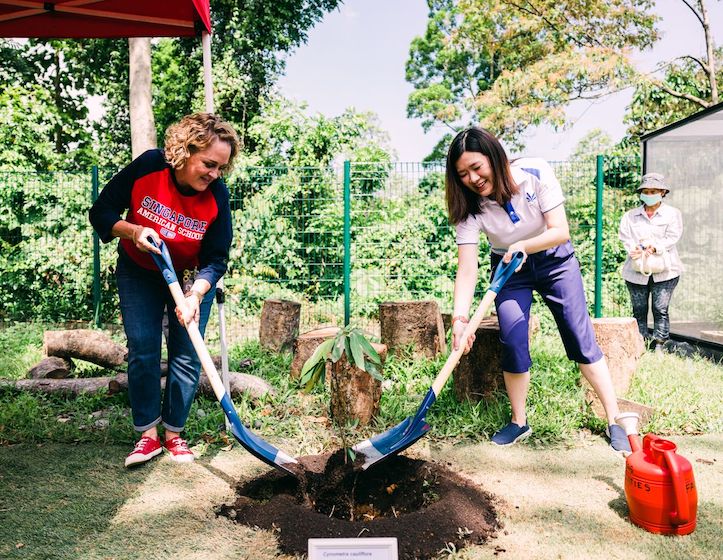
96 254
598 235
347 242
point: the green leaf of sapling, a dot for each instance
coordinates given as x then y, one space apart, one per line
320 354
371 369
338 349
356 351
370 351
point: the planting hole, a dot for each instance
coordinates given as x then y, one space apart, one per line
425 505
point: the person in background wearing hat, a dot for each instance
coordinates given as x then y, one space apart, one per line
653 228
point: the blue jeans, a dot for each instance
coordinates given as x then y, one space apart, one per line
144 296
660 294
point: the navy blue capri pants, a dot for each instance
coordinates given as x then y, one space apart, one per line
555 275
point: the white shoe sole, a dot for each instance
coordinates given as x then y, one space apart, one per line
138 458
181 458
519 438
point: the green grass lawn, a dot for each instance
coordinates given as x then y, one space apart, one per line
65 494
684 392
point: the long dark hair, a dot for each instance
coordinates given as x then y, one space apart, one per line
461 201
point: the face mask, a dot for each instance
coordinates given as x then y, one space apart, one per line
651 199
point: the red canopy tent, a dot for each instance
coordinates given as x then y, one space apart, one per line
86 19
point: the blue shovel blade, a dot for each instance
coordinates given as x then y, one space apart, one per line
258 447
398 438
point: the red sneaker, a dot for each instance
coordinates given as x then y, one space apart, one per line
178 448
145 450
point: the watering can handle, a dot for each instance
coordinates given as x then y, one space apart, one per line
682 514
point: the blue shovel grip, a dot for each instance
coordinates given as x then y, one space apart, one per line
164 262
505 270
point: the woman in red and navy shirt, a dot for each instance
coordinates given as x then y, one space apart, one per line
175 195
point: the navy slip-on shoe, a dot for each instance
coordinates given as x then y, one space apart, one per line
618 439
511 433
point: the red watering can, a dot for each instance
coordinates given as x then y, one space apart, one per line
659 485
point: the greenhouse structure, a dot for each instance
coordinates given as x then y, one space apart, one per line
690 155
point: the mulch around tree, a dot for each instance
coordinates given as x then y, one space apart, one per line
424 505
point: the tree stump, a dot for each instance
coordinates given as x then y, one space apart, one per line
305 345
355 394
84 344
51 368
621 343
479 373
446 322
413 322
279 324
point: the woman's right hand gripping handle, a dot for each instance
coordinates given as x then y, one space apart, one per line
502 273
140 236
459 323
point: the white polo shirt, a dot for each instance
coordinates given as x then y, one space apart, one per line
540 192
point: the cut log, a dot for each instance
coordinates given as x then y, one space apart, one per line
68 386
446 322
239 383
479 373
644 411
355 394
279 324
51 368
416 323
621 343
305 345
91 346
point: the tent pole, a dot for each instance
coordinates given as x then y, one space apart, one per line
207 77
220 294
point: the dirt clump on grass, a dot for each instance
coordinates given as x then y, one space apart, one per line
427 507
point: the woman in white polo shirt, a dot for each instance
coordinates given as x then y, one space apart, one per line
653 228
519 207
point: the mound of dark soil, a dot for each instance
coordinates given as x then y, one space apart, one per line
425 506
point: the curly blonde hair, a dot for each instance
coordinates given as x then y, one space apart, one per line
196 132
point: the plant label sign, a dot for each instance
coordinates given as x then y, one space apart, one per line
354 549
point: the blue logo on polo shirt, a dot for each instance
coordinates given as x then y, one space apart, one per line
530 197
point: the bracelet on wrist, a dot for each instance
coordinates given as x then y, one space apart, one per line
462 318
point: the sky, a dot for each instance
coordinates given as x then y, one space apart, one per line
355 57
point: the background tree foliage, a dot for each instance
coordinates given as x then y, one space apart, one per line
252 39
511 64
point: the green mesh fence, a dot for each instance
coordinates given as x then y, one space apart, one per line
45 246
580 181
289 242
402 246
288 225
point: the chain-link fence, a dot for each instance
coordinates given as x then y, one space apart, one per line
339 241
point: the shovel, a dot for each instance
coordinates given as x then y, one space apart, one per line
251 442
412 428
